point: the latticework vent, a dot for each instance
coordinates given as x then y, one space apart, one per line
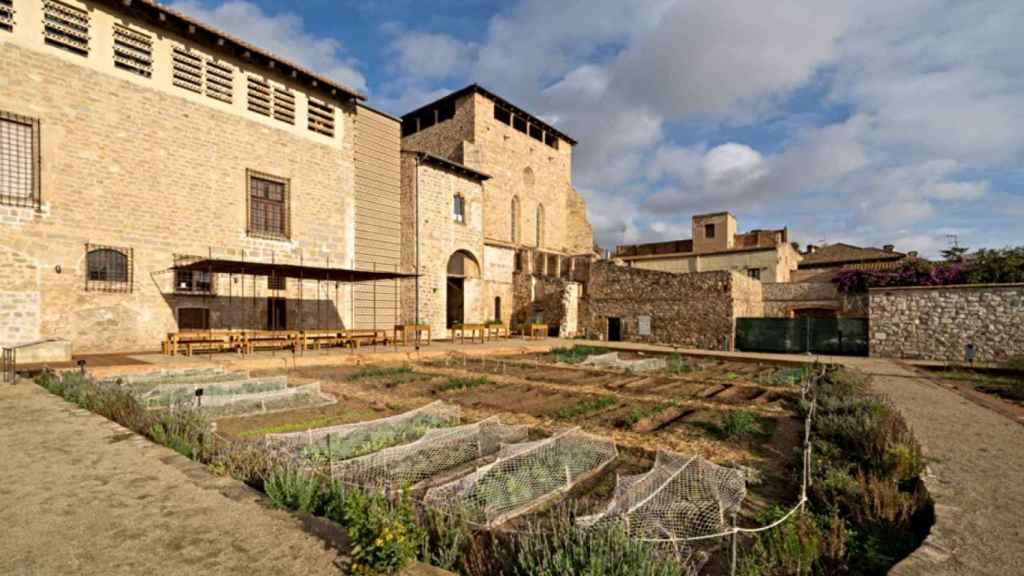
220 79
187 69
133 51
321 117
259 96
66 27
284 105
7 15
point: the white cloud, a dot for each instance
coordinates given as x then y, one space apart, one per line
283 34
431 56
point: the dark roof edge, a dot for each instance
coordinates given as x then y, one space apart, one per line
449 165
478 89
379 111
163 16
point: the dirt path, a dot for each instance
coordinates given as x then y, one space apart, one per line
80 495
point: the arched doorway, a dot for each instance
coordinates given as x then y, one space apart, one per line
462 267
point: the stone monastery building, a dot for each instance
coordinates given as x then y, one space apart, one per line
135 140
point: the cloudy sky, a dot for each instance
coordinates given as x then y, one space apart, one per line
872 122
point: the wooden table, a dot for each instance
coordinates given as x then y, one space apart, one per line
417 331
495 331
459 331
190 341
539 331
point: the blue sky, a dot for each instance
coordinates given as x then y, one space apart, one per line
871 122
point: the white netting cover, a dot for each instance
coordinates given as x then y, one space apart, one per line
235 404
681 497
525 475
173 393
345 441
437 451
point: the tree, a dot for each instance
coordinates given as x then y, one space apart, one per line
955 253
996 266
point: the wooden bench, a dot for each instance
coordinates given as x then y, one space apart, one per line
497 331
271 339
316 339
417 331
538 331
191 341
475 331
358 338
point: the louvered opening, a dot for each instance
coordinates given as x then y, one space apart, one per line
66 27
133 51
284 105
7 15
321 117
220 78
259 96
187 69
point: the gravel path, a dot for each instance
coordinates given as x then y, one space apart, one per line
81 495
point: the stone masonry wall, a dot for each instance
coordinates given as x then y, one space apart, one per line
936 323
141 168
693 310
782 299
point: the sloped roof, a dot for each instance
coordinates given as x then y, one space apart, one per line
842 254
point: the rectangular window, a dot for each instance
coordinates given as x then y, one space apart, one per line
428 118
321 117
66 27
19 161
709 231
193 282
7 15
284 105
187 69
259 96
268 206
754 273
502 115
133 51
551 140
220 81
409 127
519 123
553 265
446 111
193 318
536 133
108 269
277 282
459 209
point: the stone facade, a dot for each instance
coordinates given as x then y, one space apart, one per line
937 323
692 310
145 166
791 299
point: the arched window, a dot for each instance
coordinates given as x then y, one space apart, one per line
108 269
515 220
540 225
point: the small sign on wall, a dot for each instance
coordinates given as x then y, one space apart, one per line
644 325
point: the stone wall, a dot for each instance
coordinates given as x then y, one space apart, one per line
936 323
141 165
692 310
784 300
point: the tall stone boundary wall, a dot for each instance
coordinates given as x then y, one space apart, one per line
693 310
781 300
936 323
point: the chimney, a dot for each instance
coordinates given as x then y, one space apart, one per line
889 248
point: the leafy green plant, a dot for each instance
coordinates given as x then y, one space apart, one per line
246 461
793 545
373 372
384 533
576 354
638 413
462 383
293 488
739 424
1015 363
585 407
184 430
369 440
448 534
675 365
106 399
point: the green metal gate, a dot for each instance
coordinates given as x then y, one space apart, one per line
838 336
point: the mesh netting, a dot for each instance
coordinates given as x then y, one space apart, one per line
680 497
438 451
358 439
286 399
525 476
167 394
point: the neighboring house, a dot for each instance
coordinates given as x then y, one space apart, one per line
764 255
492 187
822 263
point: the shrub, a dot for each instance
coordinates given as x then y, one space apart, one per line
184 430
368 372
586 407
576 354
245 461
794 544
740 423
676 365
384 533
462 383
108 400
294 488
1015 363
448 535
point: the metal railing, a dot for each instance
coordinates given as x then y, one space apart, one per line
8 366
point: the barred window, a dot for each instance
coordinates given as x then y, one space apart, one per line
321 117
268 206
19 161
133 51
7 15
66 27
284 105
220 80
193 282
459 209
108 269
277 282
187 69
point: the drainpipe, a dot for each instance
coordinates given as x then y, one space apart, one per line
416 192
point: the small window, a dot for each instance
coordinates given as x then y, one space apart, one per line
187 69
514 217
108 269
754 273
19 161
502 115
193 318
459 208
536 132
66 27
540 225
133 51
497 308
518 260
428 118
268 206
7 15
709 231
284 105
551 140
220 81
259 96
409 127
321 117
193 282
277 282
446 111
519 123
553 265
